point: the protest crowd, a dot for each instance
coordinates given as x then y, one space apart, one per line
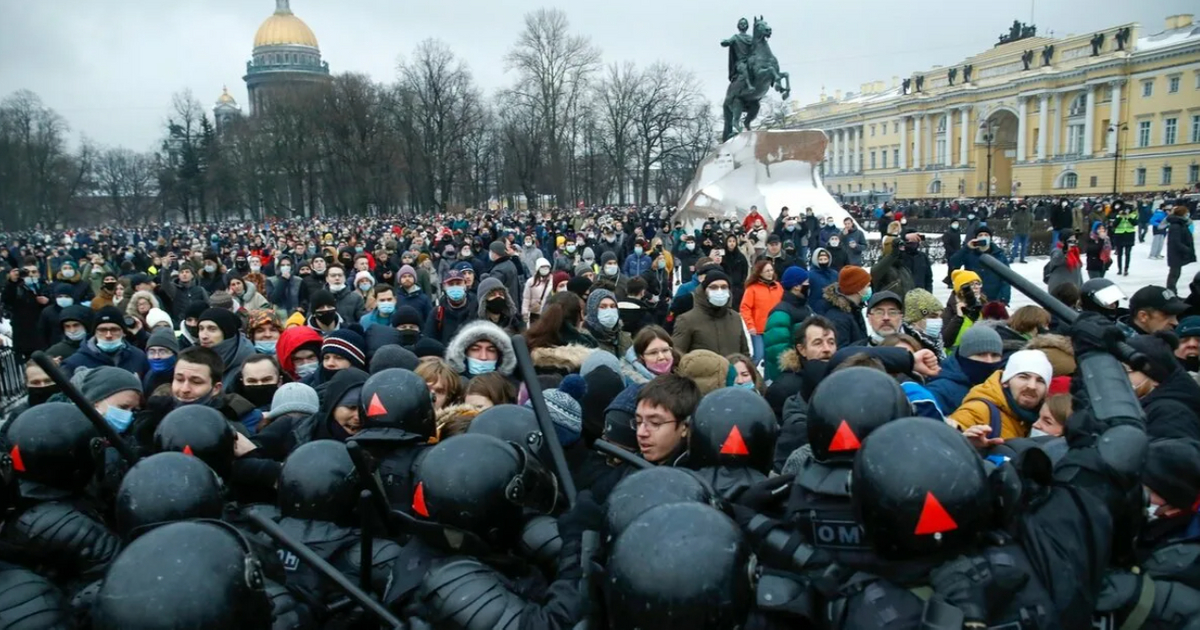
602 418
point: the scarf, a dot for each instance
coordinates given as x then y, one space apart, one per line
1026 416
1073 259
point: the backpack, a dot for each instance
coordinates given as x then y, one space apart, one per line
993 412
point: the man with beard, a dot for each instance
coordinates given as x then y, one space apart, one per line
1006 405
411 294
885 315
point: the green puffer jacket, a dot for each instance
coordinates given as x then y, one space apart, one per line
782 323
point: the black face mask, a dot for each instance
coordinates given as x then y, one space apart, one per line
327 317
243 265
409 337
110 286
497 306
39 395
259 395
911 247
194 331
1192 364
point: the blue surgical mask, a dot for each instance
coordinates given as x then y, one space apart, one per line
117 418
638 250
608 317
308 369
78 335
718 297
867 295
64 302
162 365
933 327
456 293
747 385
265 347
476 367
31 282
387 308
110 346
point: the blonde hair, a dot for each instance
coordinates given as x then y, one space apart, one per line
435 369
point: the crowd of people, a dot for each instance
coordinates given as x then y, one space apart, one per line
763 428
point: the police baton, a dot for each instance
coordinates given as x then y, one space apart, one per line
534 387
52 370
366 472
366 546
612 450
272 529
1123 351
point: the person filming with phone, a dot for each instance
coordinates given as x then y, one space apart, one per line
980 243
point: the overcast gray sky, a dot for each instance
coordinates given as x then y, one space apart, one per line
110 66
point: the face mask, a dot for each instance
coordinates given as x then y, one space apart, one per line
466 253
364 286
638 250
306 370
528 243
496 306
64 302
110 346
387 308
662 264
242 265
608 317
791 227
610 270
39 395
1036 432
866 294
719 297
265 347
933 327
128 255
117 418
78 335
409 337
953 226
833 242
544 271
690 246
31 282
476 367
358 249
570 249
970 217
259 395
110 286
285 269
456 294
661 367
209 268
162 365
67 272
747 385
327 318
337 287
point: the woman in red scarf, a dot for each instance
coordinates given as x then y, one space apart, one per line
1066 262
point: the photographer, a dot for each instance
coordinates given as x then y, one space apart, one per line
968 258
964 307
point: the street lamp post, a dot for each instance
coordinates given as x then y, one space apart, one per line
1116 130
989 135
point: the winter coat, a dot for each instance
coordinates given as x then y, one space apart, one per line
779 334
633 370
252 300
636 315
182 298
214 282
1098 250
788 381
535 295
854 244
234 352
1170 408
890 274
1021 221
445 320
286 294
615 342
282 437
735 265
417 299
846 316
994 286
707 327
1181 248
636 265
974 412
505 270
951 242
89 356
80 289
1057 271
49 325
456 350
758 301
1061 218
819 278
350 304
22 302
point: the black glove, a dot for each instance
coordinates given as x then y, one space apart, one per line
767 495
1093 332
585 515
963 582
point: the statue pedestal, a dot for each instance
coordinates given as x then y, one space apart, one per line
769 169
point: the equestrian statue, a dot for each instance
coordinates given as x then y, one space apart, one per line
753 71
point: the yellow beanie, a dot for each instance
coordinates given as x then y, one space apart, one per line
297 319
963 277
558 242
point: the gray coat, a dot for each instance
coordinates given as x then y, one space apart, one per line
350 304
854 255
1056 271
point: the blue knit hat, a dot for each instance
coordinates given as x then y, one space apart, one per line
348 344
793 277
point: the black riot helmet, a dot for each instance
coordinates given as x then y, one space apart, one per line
679 566
1101 295
319 483
29 601
846 407
52 444
481 485
733 427
646 489
919 490
396 405
511 423
196 574
166 488
201 432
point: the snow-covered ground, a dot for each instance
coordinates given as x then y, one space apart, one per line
1142 271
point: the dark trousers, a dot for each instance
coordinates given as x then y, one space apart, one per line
1173 277
1092 275
1124 254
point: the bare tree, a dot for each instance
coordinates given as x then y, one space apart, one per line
127 179
618 97
667 99
38 175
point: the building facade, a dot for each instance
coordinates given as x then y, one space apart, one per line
1089 114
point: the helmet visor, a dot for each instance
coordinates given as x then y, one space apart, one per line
534 487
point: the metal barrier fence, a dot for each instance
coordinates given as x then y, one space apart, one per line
12 377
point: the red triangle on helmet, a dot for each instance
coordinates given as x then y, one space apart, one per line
734 444
934 518
418 503
187 450
376 407
844 439
18 463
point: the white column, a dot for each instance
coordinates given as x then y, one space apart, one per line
903 144
1115 118
948 159
841 151
858 158
918 138
1021 129
850 150
1043 123
833 167
930 147
1088 125
1057 149
963 146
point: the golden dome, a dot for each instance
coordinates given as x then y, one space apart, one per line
283 29
225 98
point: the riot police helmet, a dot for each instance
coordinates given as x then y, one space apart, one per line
1101 295
201 432
166 488
396 405
53 445
846 407
646 489
511 423
732 427
319 482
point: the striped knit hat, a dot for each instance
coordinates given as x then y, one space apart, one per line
346 343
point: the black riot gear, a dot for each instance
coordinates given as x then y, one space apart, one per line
846 407
198 574
52 444
919 489
319 482
397 405
697 578
732 427
201 432
1101 295
166 488
29 601
511 423
646 489
480 484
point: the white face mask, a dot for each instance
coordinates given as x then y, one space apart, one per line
1036 432
1151 513
608 317
337 287
610 270
718 297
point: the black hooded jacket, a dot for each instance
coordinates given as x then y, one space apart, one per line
282 437
1169 408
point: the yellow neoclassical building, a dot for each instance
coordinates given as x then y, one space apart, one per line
1034 115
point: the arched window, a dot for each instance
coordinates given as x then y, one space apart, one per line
1078 105
1070 180
935 187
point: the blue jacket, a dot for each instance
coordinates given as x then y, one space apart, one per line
375 319
89 356
994 287
418 299
687 288
636 265
818 279
923 402
950 386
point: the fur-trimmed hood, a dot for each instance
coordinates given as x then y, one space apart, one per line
131 309
835 299
456 350
789 360
564 359
1058 349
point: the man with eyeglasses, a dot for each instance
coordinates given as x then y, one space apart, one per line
108 346
885 314
664 407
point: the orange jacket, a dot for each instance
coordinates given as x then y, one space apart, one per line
757 302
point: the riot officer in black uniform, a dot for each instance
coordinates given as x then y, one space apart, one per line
203 432
647 489
458 571
731 440
398 422
56 528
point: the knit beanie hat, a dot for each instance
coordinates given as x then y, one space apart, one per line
229 323
102 382
348 344
498 247
713 276
579 285
793 277
297 319
363 275
321 299
158 316
406 315
920 304
559 278
962 277
604 383
583 268
852 280
1059 385
565 413
1172 471
294 398
994 310
599 358
163 339
978 340
194 310
109 315
222 300
617 417
1160 356
407 270
709 370
1028 362
393 357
